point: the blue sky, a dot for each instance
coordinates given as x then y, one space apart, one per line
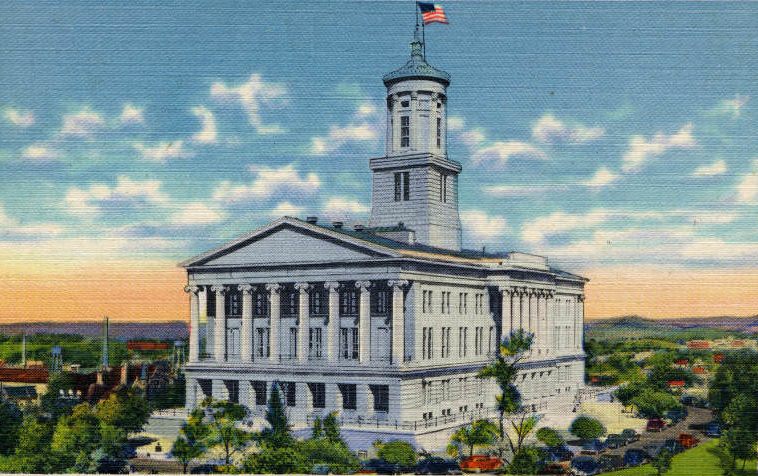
601 134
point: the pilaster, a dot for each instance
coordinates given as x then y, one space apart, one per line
246 336
194 337
364 321
398 320
333 326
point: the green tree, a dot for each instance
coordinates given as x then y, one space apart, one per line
526 461
479 432
51 401
504 369
185 452
741 412
125 409
318 430
336 455
740 443
11 419
279 432
586 428
223 427
653 403
33 453
398 452
332 428
191 442
277 460
549 436
76 436
662 461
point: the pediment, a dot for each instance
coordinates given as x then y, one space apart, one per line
288 242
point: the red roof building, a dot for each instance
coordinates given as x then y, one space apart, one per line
676 383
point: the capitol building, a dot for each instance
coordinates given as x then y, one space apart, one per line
386 323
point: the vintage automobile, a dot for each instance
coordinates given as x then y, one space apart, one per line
655 424
615 440
437 465
630 435
585 466
687 440
635 457
593 447
480 463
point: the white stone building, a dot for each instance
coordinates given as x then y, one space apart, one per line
387 324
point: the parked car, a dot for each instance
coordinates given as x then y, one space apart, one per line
479 463
687 440
585 466
713 430
672 446
611 462
379 466
630 435
635 457
653 448
688 400
558 453
593 447
655 424
436 465
615 440
676 415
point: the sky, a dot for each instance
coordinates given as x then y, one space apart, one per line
616 138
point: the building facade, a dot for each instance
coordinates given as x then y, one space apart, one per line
386 324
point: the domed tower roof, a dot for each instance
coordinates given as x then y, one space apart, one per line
416 67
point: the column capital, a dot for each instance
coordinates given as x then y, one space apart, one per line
414 95
580 298
397 283
302 287
192 289
331 285
246 288
363 285
218 288
273 288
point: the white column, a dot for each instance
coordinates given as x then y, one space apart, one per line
364 321
303 401
333 398
398 320
544 342
304 324
333 328
364 400
395 123
580 323
533 313
191 394
521 308
506 320
246 335
552 348
245 393
219 337
219 390
194 337
274 319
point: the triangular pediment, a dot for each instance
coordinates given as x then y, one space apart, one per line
290 241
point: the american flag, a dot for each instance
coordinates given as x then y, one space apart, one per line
432 13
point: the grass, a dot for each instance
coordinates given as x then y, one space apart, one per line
703 460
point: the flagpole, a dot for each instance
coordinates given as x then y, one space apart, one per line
423 35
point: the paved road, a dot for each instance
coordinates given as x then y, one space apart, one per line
693 424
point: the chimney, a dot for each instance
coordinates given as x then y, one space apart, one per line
337 224
311 220
358 227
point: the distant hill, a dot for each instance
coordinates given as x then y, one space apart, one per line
731 323
118 330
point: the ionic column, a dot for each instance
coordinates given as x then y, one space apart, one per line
191 394
303 317
245 392
333 327
552 347
364 321
303 401
544 343
219 337
398 321
275 306
364 400
246 335
194 337
522 303
333 398
506 320
533 312
580 322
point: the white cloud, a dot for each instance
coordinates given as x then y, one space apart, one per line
268 182
11 227
716 168
19 118
286 209
455 123
343 208
473 137
126 193
537 230
732 107
499 152
84 124
251 96
550 130
207 134
197 214
365 127
41 153
504 190
602 178
479 224
131 114
641 150
717 249
163 151
747 187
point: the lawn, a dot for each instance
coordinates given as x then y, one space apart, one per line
704 460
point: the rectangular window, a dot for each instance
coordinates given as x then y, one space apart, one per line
348 391
293 342
289 302
233 387
262 342
429 349
349 302
381 398
439 132
315 342
405 131
406 186
423 342
261 304
465 341
380 302
442 342
288 392
356 345
233 304
460 342
210 302
443 188
465 303
259 388
398 187
319 302
318 392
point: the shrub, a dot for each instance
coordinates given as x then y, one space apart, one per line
587 428
549 436
525 461
398 452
